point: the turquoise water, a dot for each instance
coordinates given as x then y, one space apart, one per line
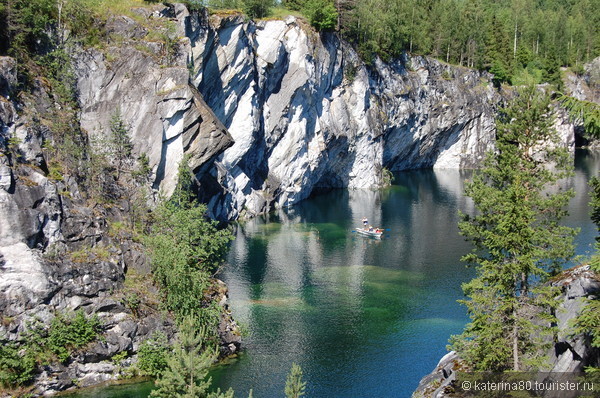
362 317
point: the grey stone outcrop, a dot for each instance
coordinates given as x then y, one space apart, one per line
274 111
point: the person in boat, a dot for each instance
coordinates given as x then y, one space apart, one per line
365 222
370 228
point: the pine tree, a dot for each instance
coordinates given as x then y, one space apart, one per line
294 386
257 8
187 369
518 241
120 143
588 321
185 249
321 14
295 5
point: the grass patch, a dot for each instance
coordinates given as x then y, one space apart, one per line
219 12
281 13
86 254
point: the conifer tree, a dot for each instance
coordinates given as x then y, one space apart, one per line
294 386
588 321
185 248
120 143
517 240
187 369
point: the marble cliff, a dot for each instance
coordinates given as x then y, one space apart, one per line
266 114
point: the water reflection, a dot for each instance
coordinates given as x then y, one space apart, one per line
352 311
363 317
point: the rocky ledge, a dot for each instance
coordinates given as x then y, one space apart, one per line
570 352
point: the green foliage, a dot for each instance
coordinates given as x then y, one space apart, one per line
171 43
143 171
58 68
119 357
69 333
501 37
42 344
595 205
583 111
321 14
120 144
387 177
132 301
194 5
294 386
187 367
517 240
185 249
588 321
257 8
294 5
153 354
16 369
27 23
224 4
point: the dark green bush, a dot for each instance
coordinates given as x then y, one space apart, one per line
66 334
15 369
257 8
321 14
153 354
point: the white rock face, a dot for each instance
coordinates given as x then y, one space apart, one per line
305 113
166 117
282 111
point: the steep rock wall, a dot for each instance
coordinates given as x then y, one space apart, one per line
283 111
43 221
147 84
50 233
305 113
272 111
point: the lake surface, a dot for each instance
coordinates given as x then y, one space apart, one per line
362 317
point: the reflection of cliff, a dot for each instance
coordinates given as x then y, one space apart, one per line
301 276
299 264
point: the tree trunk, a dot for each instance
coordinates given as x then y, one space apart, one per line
515 344
515 42
412 28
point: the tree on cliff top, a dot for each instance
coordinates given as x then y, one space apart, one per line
257 8
518 241
321 14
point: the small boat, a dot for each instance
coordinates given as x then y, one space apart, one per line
375 233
